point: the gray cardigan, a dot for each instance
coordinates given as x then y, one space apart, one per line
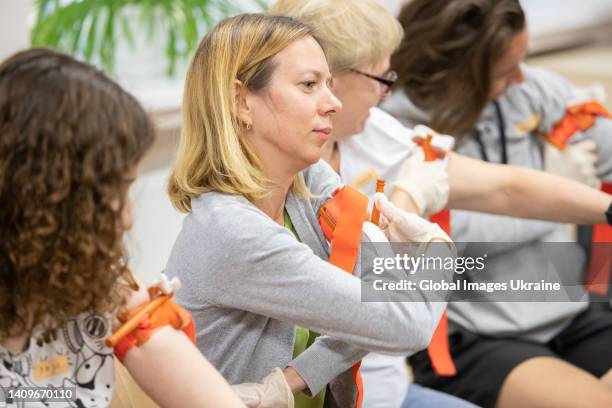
248 282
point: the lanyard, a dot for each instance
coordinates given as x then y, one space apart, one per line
501 126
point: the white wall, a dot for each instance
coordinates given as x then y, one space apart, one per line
14 32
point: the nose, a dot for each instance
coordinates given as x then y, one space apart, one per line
330 103
385 93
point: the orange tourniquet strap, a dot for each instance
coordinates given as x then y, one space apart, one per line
600 264
350 210
439 349
430 153
358 383
577 118
442 218
168 314
347 233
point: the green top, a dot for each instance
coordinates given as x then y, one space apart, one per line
303 339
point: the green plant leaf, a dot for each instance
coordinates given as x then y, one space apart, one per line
90 29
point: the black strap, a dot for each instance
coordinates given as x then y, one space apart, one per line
501 125
483 151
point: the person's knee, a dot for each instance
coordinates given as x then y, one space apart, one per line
554 382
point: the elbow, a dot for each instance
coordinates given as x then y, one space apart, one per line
413 334
428 325
505 194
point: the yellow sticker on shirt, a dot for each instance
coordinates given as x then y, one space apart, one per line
528 125
50 368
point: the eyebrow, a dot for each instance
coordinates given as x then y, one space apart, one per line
318 74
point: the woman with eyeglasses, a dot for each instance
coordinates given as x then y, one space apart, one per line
360 37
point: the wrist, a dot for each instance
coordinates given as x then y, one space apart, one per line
294 379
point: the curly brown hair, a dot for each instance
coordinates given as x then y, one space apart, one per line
69 137
446 59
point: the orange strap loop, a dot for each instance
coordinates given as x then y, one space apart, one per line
600 262
577 118
341 220
429 151
439 349
143 321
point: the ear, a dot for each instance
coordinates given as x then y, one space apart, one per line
242 108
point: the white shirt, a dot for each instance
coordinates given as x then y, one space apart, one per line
77 358
383 145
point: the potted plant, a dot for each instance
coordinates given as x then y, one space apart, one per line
95 29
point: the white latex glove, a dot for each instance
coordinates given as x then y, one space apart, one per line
586 94
577 161
402 226
425 182
273 392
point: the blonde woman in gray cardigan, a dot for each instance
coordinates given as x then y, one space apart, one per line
257 110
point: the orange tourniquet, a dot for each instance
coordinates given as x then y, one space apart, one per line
438 349
600 263
167 313
579 118
341 220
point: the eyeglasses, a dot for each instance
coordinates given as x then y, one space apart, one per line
387 81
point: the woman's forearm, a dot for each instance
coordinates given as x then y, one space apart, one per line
521 192
171 370
553 198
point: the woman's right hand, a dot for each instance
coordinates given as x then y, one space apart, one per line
273 392
401 226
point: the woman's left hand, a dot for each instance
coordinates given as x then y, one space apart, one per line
577 161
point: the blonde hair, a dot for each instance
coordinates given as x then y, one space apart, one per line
354 32
213 153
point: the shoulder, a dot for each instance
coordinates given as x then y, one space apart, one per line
382 147
218 227
220 241
400 107
321 179
221 221
544 93
384 127
384 139
543 83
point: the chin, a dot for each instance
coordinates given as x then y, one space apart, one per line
307 161
360 127
314 160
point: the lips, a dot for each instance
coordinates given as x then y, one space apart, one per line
324 133
326 130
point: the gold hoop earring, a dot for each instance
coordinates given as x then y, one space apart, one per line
248 126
